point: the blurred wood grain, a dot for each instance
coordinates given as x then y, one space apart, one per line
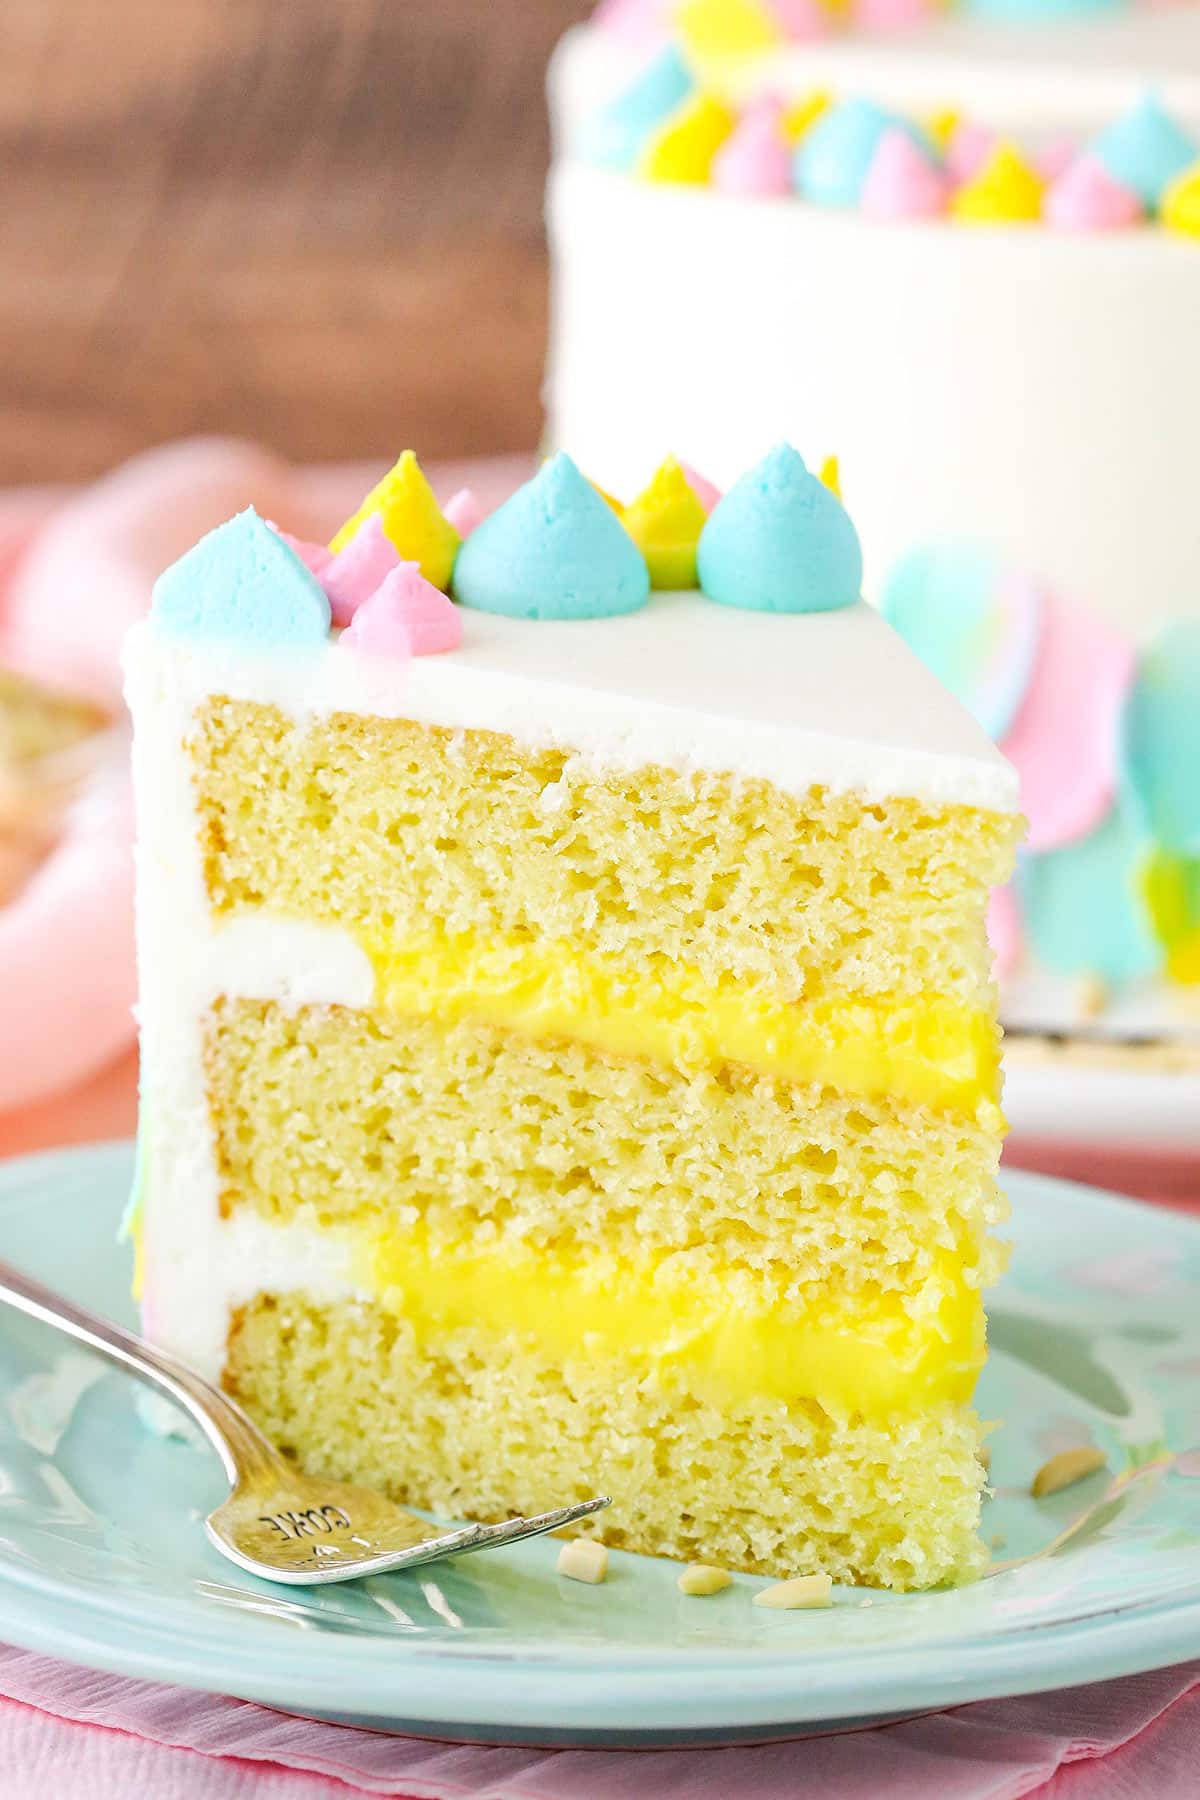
316 222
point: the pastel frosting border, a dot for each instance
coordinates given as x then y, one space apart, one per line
718 31
849 153
397 575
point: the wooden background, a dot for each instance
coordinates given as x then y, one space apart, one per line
317 222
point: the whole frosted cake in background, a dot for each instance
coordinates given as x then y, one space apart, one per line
569 1053
964 256
975 276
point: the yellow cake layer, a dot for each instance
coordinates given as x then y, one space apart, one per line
928 1051
331 1116
469 1426
387 827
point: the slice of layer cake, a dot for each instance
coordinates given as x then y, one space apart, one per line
569 1053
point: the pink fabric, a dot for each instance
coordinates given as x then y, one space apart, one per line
66 954
105 1737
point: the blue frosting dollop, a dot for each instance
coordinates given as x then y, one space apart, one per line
242 581
555 550
614 137
1160 740
833 157
780 541
1084 905
1145 150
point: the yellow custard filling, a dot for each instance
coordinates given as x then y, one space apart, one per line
932 1051
878 1354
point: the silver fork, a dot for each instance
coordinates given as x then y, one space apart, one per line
277 1522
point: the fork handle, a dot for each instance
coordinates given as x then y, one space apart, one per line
238 1442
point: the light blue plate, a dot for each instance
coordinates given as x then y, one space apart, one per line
1095 1334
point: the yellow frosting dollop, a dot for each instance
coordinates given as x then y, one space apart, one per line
831 475
412 520
684 147
1006 191
942 125
665 522
1180 209
719 28
801 115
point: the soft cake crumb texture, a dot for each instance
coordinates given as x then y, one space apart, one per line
475 1428
384 825
329 1115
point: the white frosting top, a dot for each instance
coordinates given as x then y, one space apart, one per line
832 699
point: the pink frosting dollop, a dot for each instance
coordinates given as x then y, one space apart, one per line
315 557
1087 198
969 148
66 950
1064 740
642 24
707 492
464 511
902 183
358 569
405 616
756 159
800 19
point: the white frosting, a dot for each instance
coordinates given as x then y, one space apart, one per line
830 699
1029 389
199 1266
833 698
